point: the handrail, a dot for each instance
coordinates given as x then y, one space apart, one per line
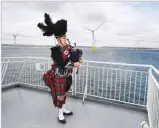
26 57
157 71
97 62
123 64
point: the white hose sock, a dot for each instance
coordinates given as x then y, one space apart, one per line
60 114
64 109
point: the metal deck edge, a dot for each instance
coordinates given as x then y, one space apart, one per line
9 86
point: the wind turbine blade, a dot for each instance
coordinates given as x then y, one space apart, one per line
99 26
87 28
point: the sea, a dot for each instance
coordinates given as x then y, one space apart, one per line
104 54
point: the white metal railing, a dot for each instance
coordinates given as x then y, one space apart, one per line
124 83
120 82
4 66
153 99
127 86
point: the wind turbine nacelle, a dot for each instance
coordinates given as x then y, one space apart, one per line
93 48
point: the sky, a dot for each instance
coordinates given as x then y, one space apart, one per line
126 24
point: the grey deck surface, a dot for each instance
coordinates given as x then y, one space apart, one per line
26 108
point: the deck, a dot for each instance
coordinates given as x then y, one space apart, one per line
30 108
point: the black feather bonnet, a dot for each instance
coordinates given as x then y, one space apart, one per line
57 29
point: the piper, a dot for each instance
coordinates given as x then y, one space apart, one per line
59 77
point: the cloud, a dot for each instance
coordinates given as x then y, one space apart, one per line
95 17
125 22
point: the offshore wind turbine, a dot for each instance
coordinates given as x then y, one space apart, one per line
15 35
93 37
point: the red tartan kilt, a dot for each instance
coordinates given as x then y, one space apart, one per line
56 83
59 84
47 78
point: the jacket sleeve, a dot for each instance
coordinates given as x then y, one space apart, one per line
57 57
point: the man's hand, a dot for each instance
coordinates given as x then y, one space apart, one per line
77 65
61 98
81 60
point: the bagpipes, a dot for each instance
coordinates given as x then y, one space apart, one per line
75 53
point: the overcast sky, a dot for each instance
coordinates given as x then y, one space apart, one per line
125 22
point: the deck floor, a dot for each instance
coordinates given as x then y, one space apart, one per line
28 108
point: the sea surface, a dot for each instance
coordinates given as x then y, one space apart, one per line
118 55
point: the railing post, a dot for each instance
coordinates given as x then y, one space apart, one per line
149 95
21 71
149 88
74 87
5 69
85 90
2 68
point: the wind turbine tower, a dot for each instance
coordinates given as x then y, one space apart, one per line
15 35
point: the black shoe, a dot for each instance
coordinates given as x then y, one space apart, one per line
68 114
62 121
